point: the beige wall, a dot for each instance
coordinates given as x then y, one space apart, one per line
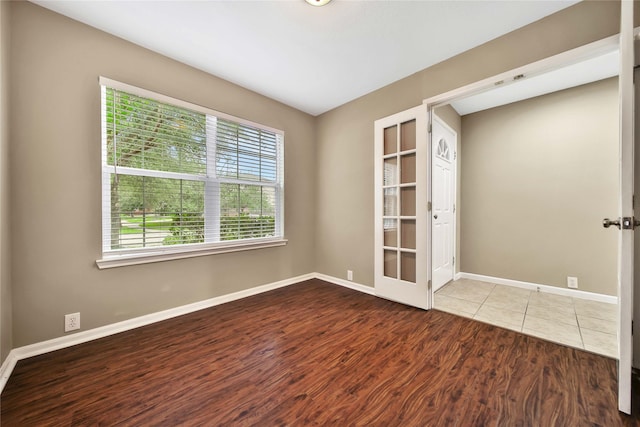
451 117
55 180
538 177
5 276
344 227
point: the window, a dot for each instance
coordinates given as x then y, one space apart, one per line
179 177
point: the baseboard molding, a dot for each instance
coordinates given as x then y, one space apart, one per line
43 347
542 288
457 276
7 368
346 283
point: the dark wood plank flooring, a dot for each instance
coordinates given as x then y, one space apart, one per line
315 354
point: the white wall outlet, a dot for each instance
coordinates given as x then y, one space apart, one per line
572 282
349 275
71 322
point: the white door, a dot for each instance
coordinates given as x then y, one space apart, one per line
443 152
625 285
402 261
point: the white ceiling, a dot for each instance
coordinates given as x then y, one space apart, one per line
311 58
590 70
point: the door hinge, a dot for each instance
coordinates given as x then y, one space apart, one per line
455 155
429 130
454 260
454 208
428 206
629 223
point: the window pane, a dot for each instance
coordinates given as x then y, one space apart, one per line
148 212
177 175
152 135
246 153
246 211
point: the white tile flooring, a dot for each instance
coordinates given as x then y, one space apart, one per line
574 322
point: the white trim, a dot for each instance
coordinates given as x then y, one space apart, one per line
7 368
43 347
457 276
563 59
542 288
162 254
124 170
136 322
346 283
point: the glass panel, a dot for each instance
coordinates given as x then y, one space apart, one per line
408 233
408 199
391 171
391 232
244 152
148 134
408 135
408 168
391 264
408 266
390 202
391 140
443 149
246 211
149 212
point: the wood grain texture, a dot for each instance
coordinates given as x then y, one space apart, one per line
315 354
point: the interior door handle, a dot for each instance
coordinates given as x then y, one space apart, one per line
606 223
435 216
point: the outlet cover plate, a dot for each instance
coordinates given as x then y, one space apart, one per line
572 282
71 322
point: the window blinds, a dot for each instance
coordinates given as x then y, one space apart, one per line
174 175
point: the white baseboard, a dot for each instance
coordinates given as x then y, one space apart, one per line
457 276
43 347
346 283
7 368
92 334
542 288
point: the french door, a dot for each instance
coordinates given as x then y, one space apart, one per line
402 261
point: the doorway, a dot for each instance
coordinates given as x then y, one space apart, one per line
443 222
626 221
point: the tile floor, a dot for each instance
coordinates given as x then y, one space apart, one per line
579 323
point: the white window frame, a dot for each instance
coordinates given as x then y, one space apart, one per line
212 245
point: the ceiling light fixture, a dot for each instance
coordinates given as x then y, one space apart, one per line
317 2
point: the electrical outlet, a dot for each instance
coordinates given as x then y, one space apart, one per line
572 282
349 275
71 322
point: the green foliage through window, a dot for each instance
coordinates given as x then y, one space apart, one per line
161 191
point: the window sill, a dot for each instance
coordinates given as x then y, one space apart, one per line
122 260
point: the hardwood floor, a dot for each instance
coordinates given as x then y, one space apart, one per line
315 354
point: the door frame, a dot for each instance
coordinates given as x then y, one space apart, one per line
609 44
454 195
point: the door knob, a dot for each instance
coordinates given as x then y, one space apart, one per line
435 216
606 223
